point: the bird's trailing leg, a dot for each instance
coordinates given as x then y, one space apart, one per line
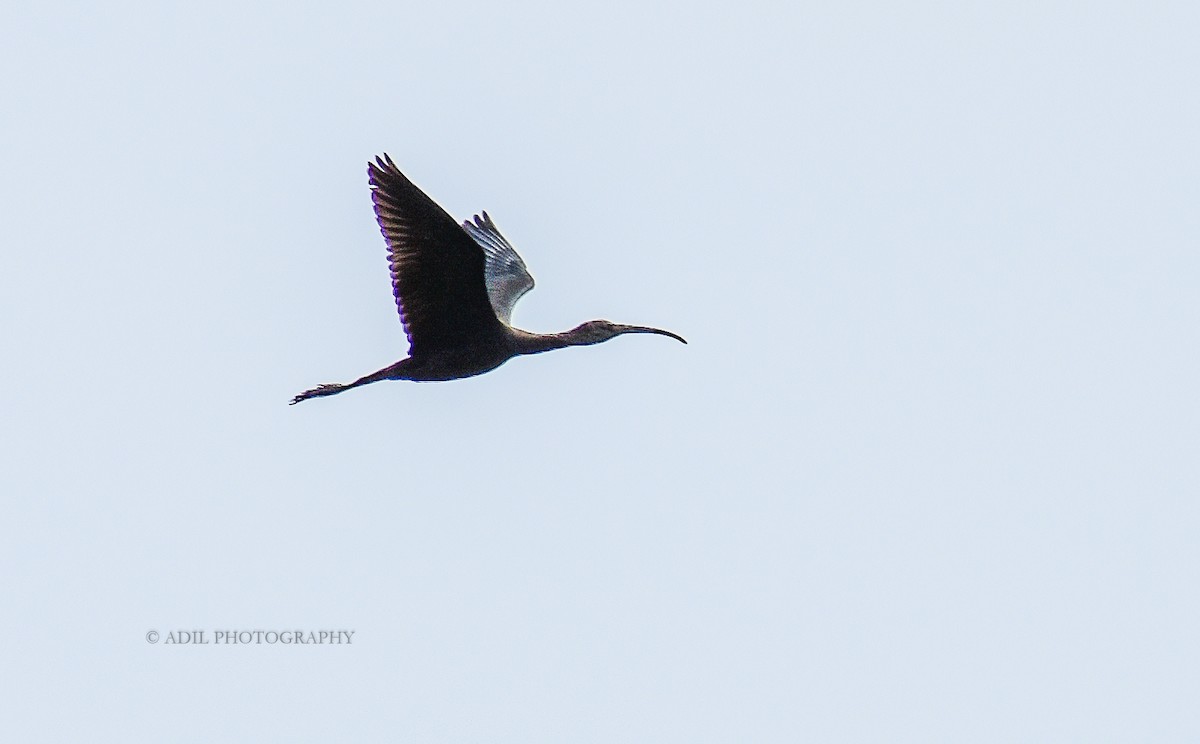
318 391
394 372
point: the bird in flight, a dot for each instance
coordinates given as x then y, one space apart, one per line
455 287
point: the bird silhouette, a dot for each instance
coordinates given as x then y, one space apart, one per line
455 287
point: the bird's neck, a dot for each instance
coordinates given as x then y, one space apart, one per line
535 343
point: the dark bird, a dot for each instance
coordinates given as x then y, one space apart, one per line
455 288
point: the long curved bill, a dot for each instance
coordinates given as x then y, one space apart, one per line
647 329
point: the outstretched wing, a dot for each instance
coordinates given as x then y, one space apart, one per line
437 269
504 272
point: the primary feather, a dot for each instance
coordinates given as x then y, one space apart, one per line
503 270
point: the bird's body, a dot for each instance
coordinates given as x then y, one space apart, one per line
455 288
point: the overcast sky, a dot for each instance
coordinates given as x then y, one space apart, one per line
926 472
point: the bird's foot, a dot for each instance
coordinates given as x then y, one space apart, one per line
317 392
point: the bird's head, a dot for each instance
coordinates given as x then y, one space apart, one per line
596 331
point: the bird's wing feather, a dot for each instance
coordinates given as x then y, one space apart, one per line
437 269
504 272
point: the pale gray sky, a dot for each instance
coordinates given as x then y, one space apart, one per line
926 471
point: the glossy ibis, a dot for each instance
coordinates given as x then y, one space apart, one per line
455 288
